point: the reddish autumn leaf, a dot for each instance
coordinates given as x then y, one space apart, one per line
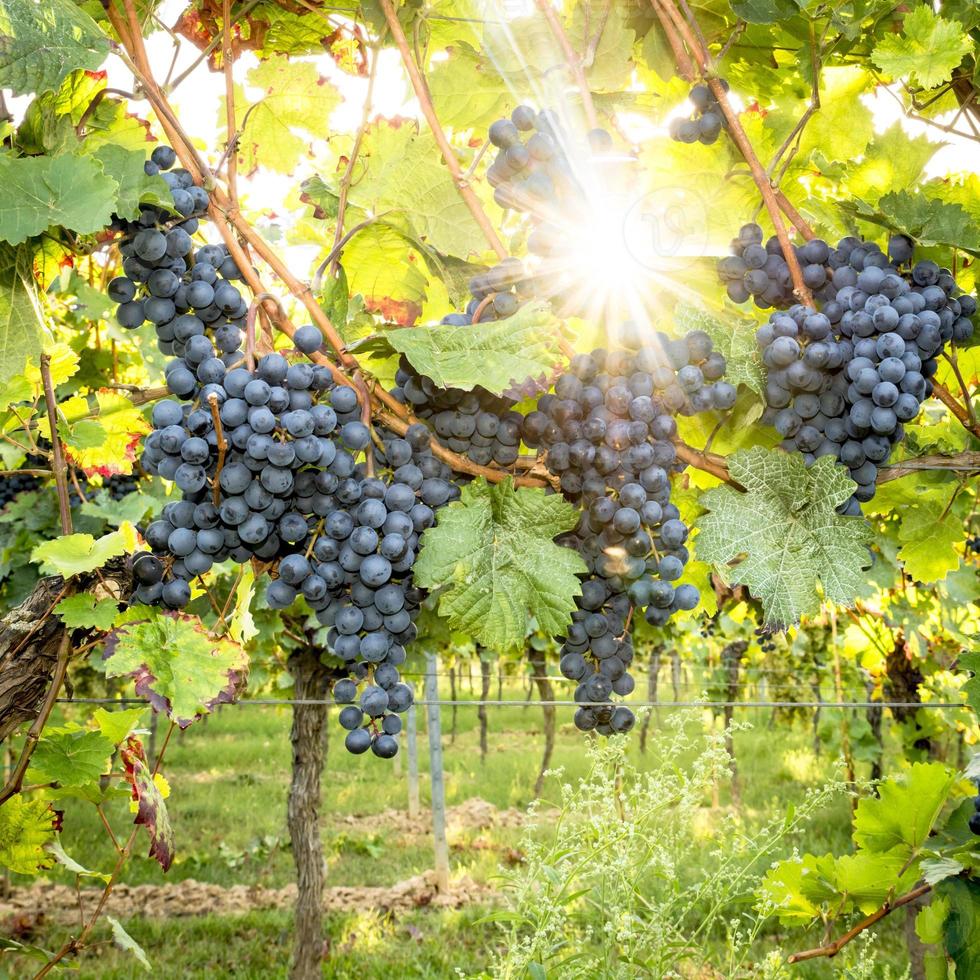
151 809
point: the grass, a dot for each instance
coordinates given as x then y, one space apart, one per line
229 779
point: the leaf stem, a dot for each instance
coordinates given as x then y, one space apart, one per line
57 450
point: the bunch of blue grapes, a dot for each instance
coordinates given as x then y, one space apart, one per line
608 434
294 489
476 424
845 378
534 170
760 272
705 124
184 292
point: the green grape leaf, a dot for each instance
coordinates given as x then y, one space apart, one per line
783 537
20 318
494 552
403 166
177 666
70 758
41 42
73 554
931 919
929 541
734 337
125 167
798 888
927 50
126 943
926 219
57 851
116 725
468 89
27 826
151 810
241 625
970 661
764 11
295 100
43 191
905 810
894 160
962 937
496 355
868 877
85 611
130 509
383 265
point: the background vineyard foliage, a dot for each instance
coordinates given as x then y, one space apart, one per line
886 143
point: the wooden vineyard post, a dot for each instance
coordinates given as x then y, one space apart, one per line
412 744
437 786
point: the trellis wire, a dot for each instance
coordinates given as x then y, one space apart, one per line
515 703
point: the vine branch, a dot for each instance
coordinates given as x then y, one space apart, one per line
428 110
572 59
833 948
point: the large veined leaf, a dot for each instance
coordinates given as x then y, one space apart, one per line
763 11
72 554
783 538
20 320
962 935
928 220
70 758
403 165
26 827
927 50
40 192
893 160
177 666
905 810
495 355
295 99
151 810
42 40
733 336
468 89
494 552
125 167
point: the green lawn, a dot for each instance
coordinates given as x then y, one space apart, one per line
229 779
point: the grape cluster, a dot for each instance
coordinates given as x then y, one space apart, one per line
14 484
184 293
532 171
607 432
762 273
292 490
973 545
974 821
765 639
705 124
842 381
476 423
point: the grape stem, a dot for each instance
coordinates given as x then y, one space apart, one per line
741 140
572 59
970 413
962 414
428 110
222 447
